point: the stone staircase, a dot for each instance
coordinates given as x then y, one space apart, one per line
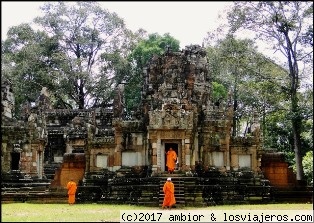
137 191
204 189
17 186
179 194
186 190
50 169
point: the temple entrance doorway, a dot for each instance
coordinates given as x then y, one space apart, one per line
55 149
15 161
174 146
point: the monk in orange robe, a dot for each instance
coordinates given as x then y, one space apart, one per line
169 199
171 160
71 186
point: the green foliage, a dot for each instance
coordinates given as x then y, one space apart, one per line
278 132
251 79
307 163
288 27
155 44
29 62
219 92
81 55
83 32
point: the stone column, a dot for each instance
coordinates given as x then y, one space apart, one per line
118 152
254 159
234 161
182 155
92 162
201 154
228 152
33 160
210 158
158 150
5 159
87 156
40 163
154 157
195 154
187 157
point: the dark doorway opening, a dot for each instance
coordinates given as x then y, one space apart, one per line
56 147
15 161
174 146
78 150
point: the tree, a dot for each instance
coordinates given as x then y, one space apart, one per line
29 61
251 78
308 167
84 31
289 26
154 45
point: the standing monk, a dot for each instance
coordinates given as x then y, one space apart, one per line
171 160
71 186
169 199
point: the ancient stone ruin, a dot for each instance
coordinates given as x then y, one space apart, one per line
118 159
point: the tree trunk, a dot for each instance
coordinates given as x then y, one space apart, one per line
296 118
296 130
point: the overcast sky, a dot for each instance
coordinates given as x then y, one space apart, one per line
188 22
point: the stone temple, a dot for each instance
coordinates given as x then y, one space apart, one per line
92 145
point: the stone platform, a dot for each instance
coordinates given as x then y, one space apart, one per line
190 190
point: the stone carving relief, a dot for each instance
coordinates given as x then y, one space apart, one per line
177 119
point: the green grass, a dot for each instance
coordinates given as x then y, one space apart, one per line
30 212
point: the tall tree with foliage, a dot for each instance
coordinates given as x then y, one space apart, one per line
29 61
153 45
84 31
250 77
288 26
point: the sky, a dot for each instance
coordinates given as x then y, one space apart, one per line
187 22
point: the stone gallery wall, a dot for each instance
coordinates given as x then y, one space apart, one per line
176 110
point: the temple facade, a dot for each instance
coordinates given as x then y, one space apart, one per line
176 111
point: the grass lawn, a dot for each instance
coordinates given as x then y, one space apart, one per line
34 212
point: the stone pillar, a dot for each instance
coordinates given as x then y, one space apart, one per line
228 153
234 162
195 154
40 163
159 154
205 160
33 160
87 157
210 158
182 155
187 158
5 158
92 160
154 157
254 159
118 152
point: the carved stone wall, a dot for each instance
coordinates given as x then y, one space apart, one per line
23 141
176 110
177 97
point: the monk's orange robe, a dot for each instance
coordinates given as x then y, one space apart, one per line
171 160
71 186
169 198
